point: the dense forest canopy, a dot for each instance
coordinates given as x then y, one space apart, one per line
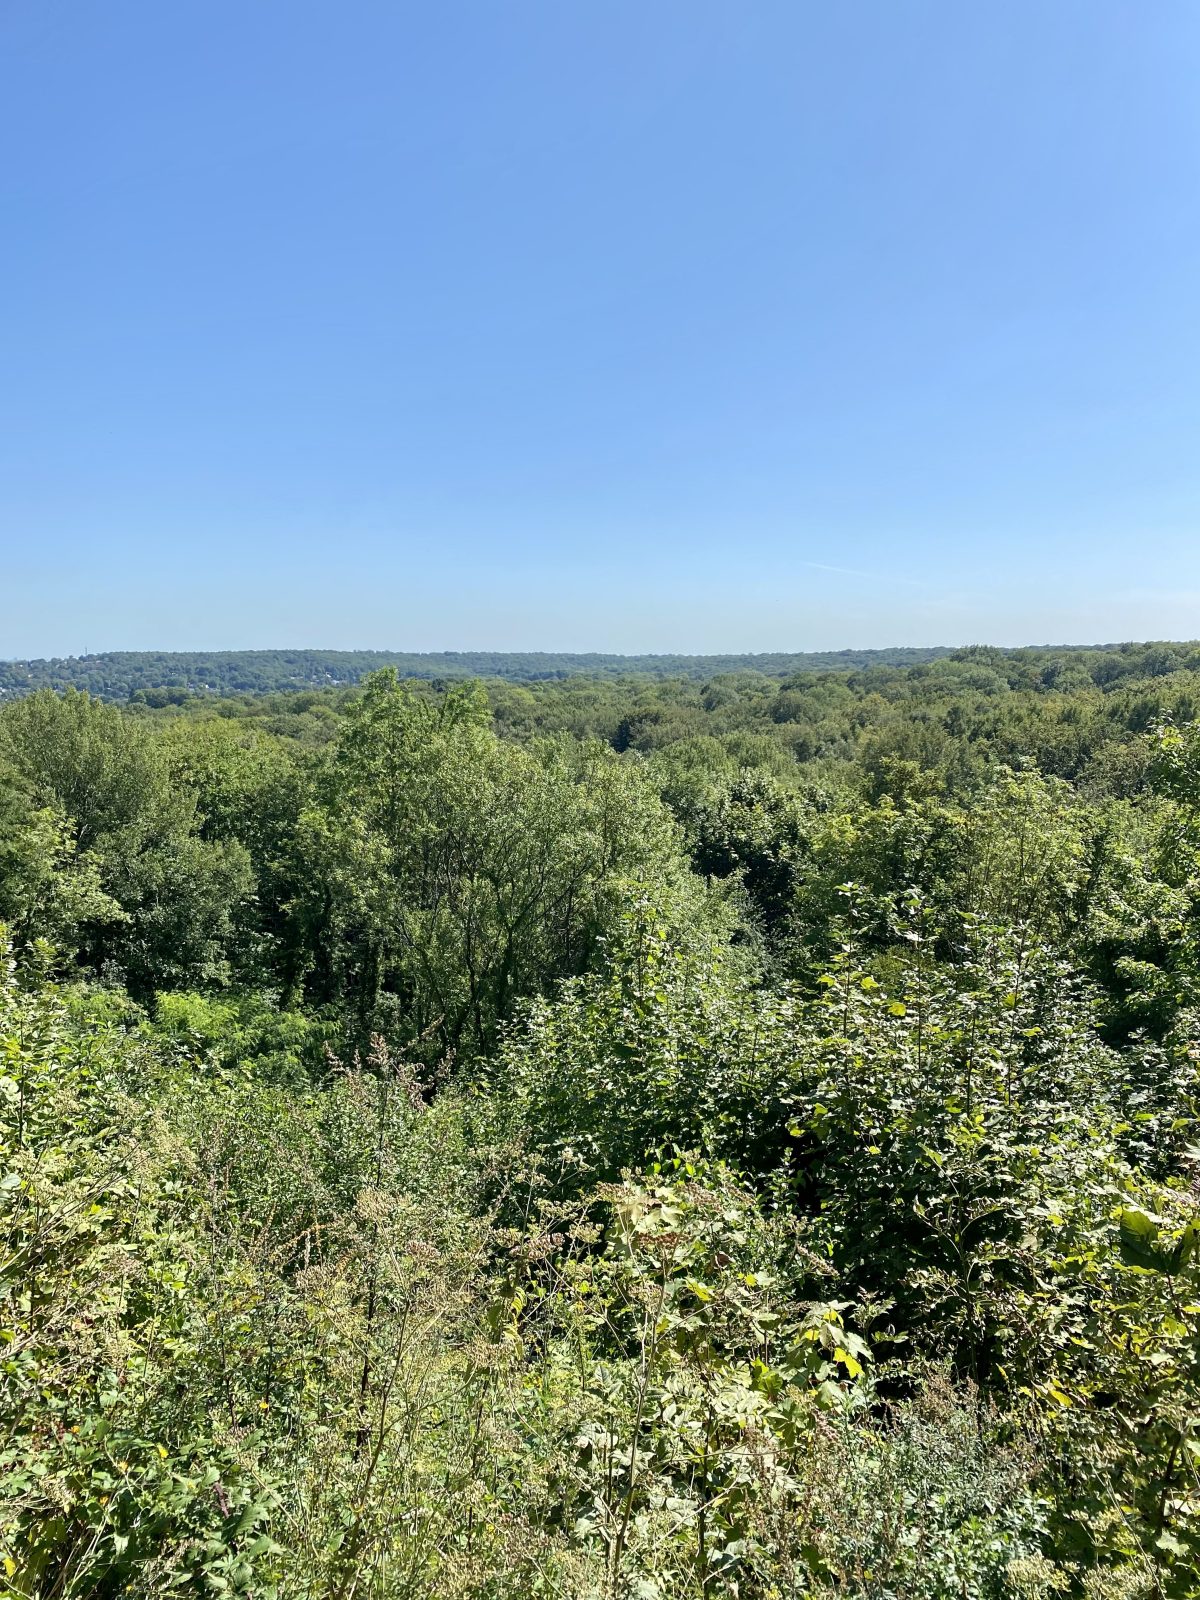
178 675
118 674
123 674
714 1129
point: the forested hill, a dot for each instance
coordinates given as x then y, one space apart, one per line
174 675
117 674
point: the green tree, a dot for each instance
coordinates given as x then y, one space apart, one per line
168 896
452 873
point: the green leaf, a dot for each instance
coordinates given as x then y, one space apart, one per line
1139 1243
1186 1247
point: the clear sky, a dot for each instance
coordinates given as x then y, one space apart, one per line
598 324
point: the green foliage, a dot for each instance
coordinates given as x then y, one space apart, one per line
705 1136
457 873
113 1466
246 1034
48 887
171 677
151 901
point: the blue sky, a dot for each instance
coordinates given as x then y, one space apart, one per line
598 324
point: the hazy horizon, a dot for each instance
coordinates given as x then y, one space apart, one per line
943 646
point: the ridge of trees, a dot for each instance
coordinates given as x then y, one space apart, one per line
119 674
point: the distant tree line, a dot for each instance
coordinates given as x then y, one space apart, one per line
119 674
160 678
